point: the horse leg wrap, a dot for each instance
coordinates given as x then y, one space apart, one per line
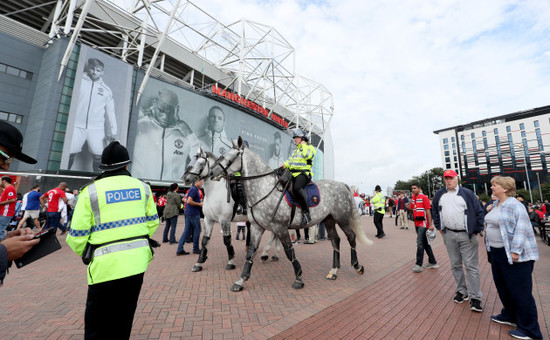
354 261
230 250
292 258
248 263
336 258
204 250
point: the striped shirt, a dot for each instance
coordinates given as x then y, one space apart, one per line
516 230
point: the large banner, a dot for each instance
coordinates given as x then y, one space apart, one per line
173 122
100 108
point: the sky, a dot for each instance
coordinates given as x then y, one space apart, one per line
401 69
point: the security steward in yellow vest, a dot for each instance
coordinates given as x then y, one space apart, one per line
379 206
299 164
113 220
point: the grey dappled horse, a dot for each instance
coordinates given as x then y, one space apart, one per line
263 192
215 206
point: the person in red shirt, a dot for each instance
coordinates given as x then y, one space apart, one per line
422 216
161 203
53 213
7 205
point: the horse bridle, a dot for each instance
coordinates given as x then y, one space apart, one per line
198 175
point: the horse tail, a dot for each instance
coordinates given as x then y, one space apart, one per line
355 222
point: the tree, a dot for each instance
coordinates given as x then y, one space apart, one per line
430 181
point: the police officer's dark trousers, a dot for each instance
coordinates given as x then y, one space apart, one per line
300 193
110 308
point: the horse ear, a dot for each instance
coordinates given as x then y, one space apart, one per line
234 145
240 142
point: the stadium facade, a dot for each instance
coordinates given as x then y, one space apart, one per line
515 144
209 83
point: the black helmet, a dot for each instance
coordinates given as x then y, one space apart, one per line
114 156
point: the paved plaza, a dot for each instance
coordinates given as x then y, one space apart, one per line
46 299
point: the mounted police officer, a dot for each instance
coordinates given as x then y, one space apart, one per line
112 222
299 164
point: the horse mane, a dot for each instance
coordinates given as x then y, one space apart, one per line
211 155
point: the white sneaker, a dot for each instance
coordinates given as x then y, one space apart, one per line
431 266
417 268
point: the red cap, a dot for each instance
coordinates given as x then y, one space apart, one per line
449 173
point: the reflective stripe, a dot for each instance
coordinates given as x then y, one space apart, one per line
113 248
94 202
112 225
147 188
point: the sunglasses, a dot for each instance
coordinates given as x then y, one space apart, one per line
7 159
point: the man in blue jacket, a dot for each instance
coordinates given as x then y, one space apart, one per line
458 215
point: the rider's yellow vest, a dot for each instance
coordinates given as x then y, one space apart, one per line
117 208
379 203
301 160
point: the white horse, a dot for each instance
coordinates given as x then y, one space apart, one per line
217 206
263 191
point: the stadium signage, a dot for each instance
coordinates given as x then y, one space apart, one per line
249 104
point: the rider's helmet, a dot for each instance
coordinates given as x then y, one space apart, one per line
300 133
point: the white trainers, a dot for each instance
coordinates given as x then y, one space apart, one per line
417 268
431 265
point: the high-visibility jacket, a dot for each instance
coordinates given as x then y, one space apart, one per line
112 209
379 203
301 160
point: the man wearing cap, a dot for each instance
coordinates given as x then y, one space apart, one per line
113 220
18 242
379 206
458 215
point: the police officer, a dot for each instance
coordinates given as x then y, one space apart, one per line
113 219
379 205
299 164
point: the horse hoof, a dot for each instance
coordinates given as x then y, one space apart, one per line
361 270
230 267
196 269
298 285
264 258
236 288
274 259
332 277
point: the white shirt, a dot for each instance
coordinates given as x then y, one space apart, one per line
453 209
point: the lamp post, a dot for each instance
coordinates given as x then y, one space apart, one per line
526 170
540 189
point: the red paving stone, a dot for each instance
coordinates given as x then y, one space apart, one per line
46 299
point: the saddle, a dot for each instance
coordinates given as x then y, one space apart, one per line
313 196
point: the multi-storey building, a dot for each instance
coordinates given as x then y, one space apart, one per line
515 144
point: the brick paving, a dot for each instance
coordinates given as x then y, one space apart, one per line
46 299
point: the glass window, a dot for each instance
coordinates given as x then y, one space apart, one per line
523 134
495 131
483 133
446 146
452 139
447 159
473 135
455 159
445 140
454 152
447 166
13 71
446 153
462 136
521 126
453 146
456 165
536 122
508 129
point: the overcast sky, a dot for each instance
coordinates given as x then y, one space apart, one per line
400 69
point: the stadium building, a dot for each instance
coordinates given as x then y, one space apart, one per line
515 144
162 77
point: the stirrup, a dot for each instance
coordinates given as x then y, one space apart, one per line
306 218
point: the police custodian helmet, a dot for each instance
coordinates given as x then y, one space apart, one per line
114 156
300 133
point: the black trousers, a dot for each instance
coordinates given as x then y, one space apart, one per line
299 183
378 218
110 308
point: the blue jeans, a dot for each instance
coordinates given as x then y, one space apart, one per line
192 225
170 223
4 222
423 245
322 230
53 220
